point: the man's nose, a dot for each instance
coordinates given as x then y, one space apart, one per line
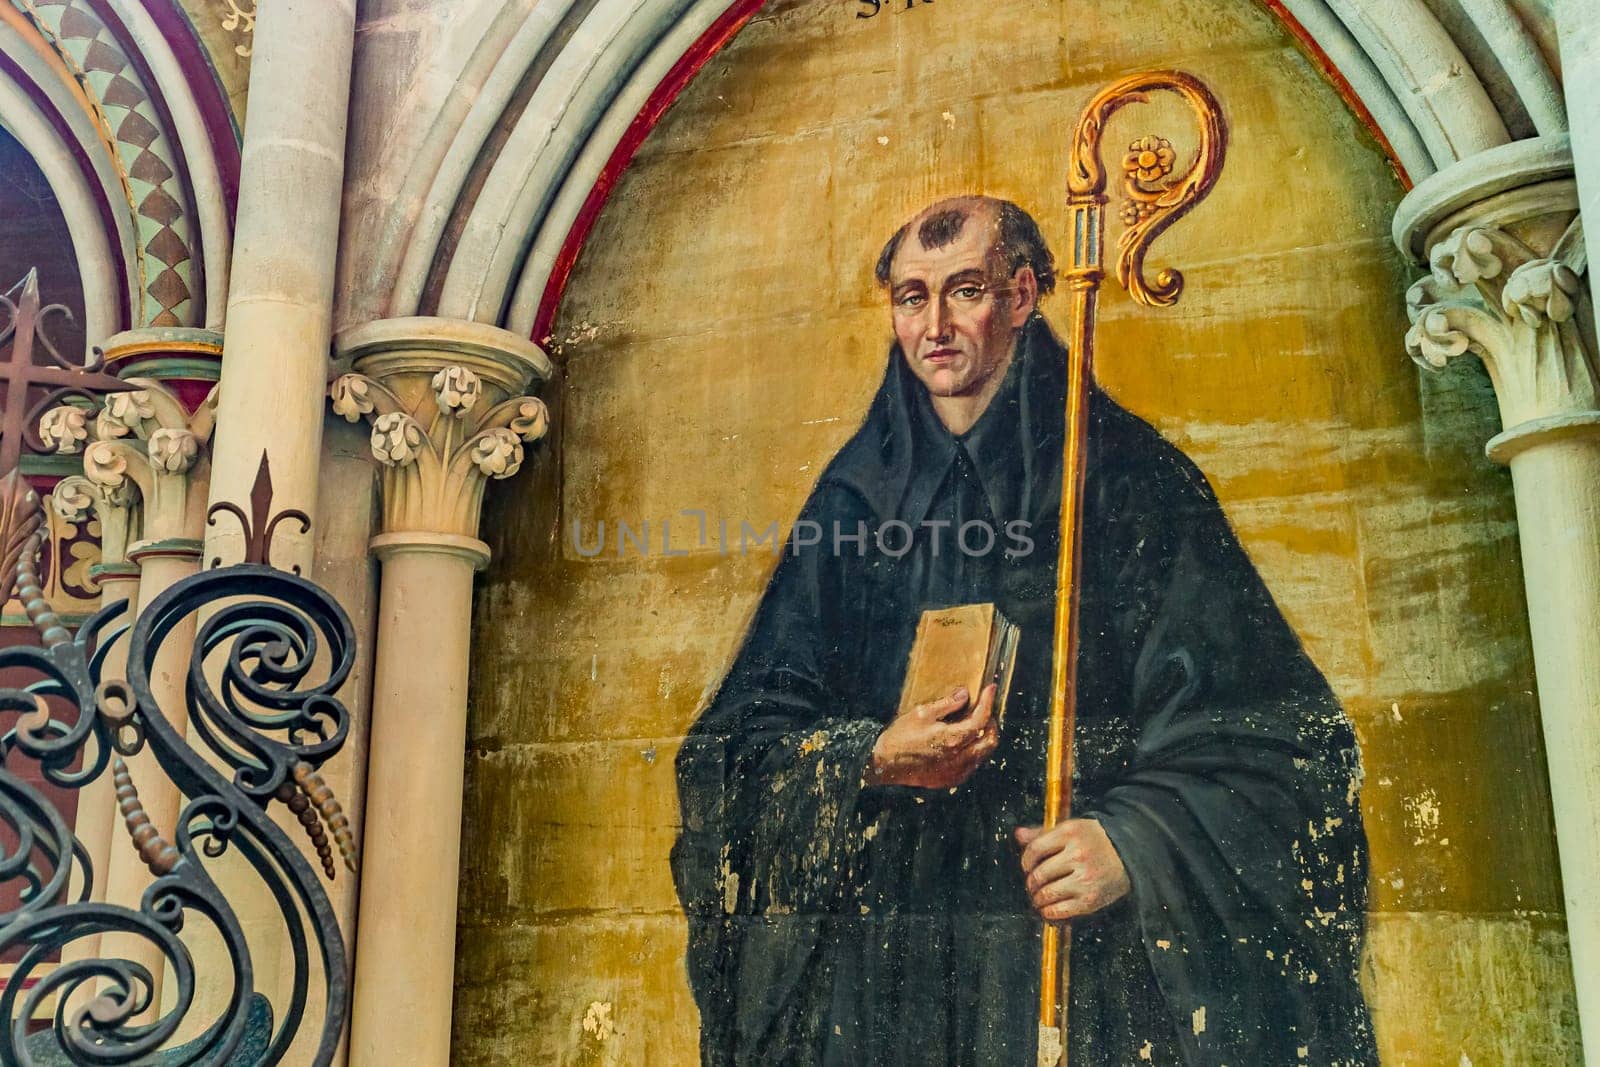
938 320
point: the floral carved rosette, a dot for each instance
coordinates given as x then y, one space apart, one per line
1488 293
396 439
64 429
436 461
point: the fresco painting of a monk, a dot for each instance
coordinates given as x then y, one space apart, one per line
864 888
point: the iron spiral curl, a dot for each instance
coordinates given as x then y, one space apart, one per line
267 636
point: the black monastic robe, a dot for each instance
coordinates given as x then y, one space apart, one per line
832 923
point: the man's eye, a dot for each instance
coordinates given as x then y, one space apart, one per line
912 300
969 292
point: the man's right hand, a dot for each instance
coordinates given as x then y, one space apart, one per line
937 745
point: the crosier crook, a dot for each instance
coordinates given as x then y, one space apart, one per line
1155 205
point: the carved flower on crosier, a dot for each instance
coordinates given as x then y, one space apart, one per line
123 414
64 429
352 397
173 451
532 420
1149 159
457 390
396 439
1466 257
498 453
1541 291
1133 212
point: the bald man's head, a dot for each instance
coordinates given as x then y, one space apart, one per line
1016 236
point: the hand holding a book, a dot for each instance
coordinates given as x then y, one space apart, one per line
1072 869
937 745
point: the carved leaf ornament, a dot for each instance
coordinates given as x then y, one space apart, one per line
1489 294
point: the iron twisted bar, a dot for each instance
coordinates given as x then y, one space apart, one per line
264 634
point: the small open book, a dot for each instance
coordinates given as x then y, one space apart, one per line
972 645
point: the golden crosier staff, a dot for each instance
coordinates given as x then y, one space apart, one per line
1154 201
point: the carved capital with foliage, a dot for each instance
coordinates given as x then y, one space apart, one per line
75 499
140 451
1489 294
448 412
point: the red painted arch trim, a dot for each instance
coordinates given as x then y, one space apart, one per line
1340 83
719 34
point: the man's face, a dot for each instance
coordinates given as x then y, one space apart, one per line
956 309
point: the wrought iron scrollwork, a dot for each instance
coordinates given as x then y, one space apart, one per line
271 652
38 375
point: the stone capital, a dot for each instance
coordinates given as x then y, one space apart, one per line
1526 187
187 361
1505 254
448 408
75 498
142 450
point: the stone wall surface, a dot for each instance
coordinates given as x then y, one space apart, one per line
720 339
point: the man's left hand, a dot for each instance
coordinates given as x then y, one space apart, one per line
1072 869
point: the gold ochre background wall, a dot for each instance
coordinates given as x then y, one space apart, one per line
721 338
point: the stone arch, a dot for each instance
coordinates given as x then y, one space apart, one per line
555 98
115 101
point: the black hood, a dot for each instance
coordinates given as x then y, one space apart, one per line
898 459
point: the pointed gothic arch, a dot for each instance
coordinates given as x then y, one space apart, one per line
554 101
116 102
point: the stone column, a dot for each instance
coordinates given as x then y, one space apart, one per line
271 401
447 412
146 446
280 300
1502 286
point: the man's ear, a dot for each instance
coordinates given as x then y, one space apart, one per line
1025 296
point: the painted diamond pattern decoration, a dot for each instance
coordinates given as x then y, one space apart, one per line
157 193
